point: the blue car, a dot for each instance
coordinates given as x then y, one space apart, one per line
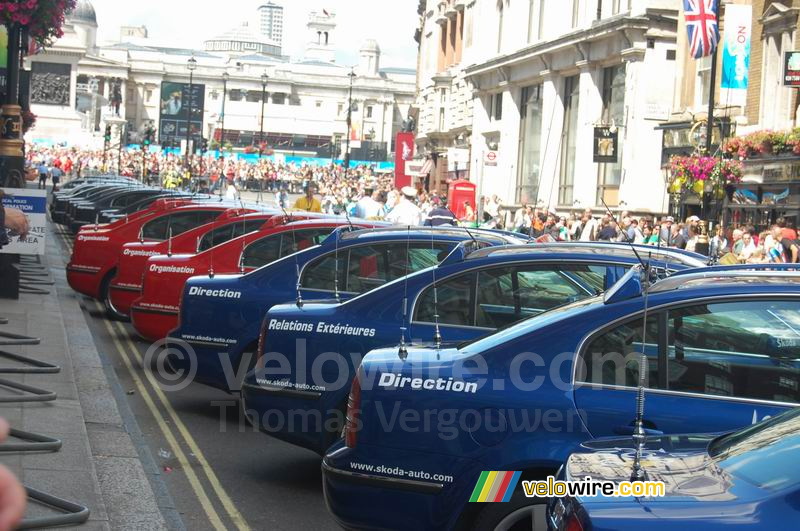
220 316
747 479
722 348
310 351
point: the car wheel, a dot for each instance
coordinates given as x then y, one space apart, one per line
519 514
105 296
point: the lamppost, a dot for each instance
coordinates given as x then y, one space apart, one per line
264 79
225 77
351 75
191 65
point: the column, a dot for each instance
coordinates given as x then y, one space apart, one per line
552 123
450 41
459 35
590 108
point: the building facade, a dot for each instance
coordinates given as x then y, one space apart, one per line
78 87
270 17
558 88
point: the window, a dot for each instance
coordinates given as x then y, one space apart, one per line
496 106
236 95
530 145
227 233
279 99
369 111
613 357
318 104
253 96
501 296
609 175
453 302
339 108
156 229
703 83
569 140
262 252
367 267
180 223
738 349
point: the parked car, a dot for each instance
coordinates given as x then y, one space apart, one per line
155 312
723 350
126 286
96 251
220 317
746 479
466 296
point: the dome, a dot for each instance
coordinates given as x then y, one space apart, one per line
370 45
84 12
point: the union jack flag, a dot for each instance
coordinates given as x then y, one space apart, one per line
702 23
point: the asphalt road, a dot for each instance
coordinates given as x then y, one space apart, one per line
220 473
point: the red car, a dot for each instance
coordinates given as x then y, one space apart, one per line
126 286
155 313
96 251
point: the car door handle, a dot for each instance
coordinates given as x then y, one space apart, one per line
628 430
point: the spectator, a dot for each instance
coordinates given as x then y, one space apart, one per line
589 230
370 206
748 248
789 247
405 211
55 175
308 202
440 215
43 173
469 213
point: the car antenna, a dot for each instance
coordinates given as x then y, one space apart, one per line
627 238
402 350
336 272
296 268
639 435
465 228
347 217
96 220
169 242
241 259
437 333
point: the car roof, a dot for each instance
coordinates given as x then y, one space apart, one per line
416 232
646 253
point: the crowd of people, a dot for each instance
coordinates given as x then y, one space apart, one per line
362 192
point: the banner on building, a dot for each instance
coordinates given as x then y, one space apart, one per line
403 152
605 144
32 203
791 69
178 101
736 53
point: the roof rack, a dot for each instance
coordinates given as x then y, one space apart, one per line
742 272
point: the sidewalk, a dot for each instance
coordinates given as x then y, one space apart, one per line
103 463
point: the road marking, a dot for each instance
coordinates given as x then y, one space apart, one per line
234 514
194 481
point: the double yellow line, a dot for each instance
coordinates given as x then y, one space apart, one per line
147 387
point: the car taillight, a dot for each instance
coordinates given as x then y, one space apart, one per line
573 523
352 420
262 338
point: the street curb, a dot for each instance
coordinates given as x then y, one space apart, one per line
118 448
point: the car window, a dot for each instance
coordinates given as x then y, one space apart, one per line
747 349
299 240
452 300
183 221
156 229
261 252
227 233
367 268
320 273
613 357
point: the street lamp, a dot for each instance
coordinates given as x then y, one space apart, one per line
351 75
264 79
191 65
225 77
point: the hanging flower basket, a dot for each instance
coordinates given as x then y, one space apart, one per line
699 175
764 144
43 18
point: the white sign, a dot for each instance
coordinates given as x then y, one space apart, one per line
490 158
32 203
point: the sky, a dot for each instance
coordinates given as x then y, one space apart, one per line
187 23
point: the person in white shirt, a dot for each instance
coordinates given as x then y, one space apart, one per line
748 247
232 192
369 206
590 230
405 212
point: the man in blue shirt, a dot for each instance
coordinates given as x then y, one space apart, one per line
55 174
43 173
440 215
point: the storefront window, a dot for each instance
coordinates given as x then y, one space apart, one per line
609 174
530 145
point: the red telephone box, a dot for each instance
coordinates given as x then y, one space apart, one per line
458 193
